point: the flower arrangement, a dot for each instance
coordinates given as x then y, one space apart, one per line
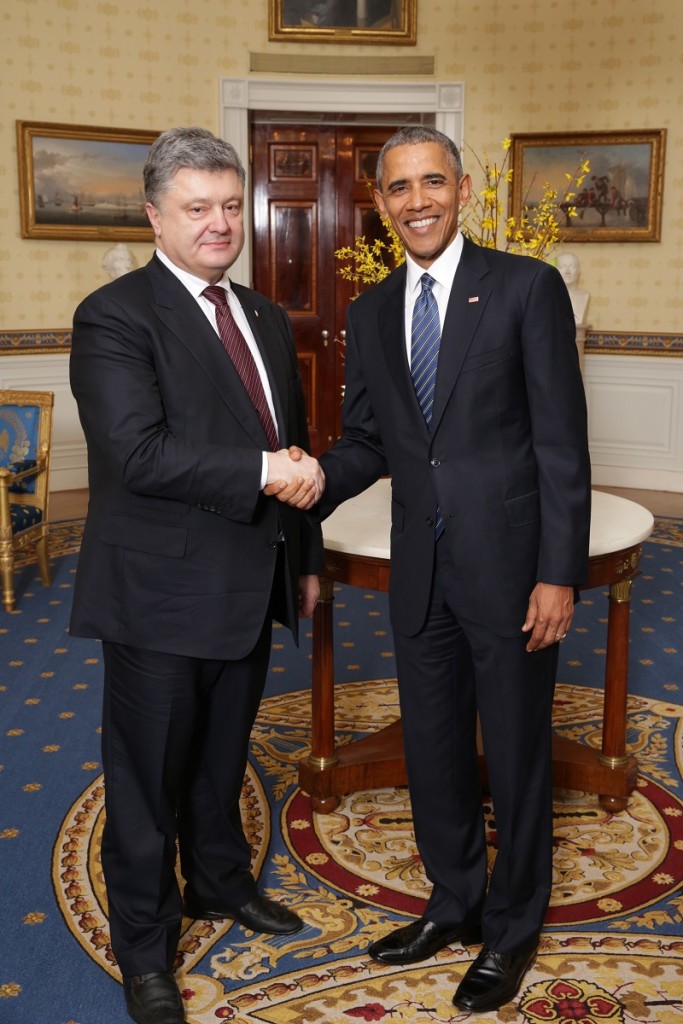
534 234
538 229
366 262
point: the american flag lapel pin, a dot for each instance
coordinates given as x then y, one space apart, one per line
473 298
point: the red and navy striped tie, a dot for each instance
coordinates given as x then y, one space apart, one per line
238 350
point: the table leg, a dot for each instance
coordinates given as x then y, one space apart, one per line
323 756
613 753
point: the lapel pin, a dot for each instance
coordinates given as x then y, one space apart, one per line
256 312
473 298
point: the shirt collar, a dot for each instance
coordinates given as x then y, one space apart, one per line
194 285
442 269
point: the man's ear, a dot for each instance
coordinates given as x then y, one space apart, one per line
379 202
153 217
465 189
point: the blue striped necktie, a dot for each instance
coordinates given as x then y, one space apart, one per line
424 357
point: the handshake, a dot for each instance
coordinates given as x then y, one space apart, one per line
294 478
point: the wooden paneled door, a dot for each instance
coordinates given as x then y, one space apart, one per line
310 197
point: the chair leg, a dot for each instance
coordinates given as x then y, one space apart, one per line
43 556
7 573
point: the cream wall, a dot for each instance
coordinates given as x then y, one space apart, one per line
532 65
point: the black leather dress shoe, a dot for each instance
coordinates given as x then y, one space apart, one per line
153 999
419 940
492 980
259 914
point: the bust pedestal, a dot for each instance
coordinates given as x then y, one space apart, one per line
581 341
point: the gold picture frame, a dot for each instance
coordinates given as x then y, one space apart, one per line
378 22
620 199
85 183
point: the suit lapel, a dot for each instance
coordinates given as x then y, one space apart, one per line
469 296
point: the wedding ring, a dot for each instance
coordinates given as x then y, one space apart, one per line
560 636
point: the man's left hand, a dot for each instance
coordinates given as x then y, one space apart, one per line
309 592
549 615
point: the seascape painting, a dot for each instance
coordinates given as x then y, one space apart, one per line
83 184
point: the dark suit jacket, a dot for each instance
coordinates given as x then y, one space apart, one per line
180 546
507 458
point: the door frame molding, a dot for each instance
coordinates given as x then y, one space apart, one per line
445 100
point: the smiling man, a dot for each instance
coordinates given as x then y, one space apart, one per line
463 383
189 392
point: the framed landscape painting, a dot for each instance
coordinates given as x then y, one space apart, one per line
620 199
82 183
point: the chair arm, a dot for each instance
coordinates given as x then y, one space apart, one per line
5 512
25 469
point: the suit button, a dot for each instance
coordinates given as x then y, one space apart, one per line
272 545
435 463
429 521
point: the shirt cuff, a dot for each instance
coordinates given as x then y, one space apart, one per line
264 470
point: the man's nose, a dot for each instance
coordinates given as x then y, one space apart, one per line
219 220
419 197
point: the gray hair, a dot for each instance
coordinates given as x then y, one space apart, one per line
413 135
193 147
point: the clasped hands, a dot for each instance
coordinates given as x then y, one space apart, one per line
294 478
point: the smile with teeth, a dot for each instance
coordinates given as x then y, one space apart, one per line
424 223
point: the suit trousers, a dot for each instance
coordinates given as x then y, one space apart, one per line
451 671
175 741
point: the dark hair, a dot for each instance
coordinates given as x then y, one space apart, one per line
413 135
186 147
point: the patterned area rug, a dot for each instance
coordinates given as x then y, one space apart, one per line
613 946
614 942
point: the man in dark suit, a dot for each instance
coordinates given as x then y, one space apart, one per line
188 400
463 383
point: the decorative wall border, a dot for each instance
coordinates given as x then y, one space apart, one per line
597 342
20 342
620 343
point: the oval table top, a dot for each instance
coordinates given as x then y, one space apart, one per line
361 526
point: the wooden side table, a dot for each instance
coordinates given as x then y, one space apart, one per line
356 539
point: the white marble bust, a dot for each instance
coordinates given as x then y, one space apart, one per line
570 269
118 260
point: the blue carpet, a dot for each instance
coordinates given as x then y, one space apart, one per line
50 692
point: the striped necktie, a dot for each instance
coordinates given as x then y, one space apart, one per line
238 350
424 357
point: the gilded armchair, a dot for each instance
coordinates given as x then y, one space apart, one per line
25 432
